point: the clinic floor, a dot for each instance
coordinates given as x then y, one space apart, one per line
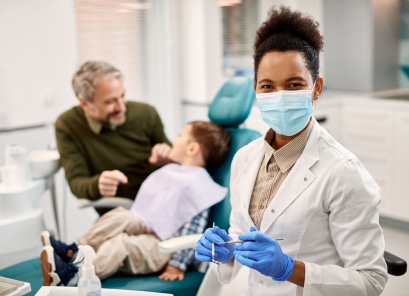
397 242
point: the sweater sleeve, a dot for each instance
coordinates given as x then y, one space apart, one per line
78 175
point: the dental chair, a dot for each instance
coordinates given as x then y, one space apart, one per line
109 202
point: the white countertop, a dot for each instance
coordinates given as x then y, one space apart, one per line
73 291
22 290
395 98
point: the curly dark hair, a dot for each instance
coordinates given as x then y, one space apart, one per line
286 30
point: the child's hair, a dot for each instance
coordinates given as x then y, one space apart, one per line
286 30
214 141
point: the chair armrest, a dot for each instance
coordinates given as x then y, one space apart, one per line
105 202
396 266
179 243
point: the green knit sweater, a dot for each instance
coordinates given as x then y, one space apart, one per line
85 154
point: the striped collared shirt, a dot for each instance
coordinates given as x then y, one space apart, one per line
275 167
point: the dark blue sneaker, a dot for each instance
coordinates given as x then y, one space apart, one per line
55 271
66 252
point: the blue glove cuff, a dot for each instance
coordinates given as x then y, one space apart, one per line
287 271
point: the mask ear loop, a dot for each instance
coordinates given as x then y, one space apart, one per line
311 94
313 88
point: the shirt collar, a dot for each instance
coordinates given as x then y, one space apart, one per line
96 126
287 155
93 124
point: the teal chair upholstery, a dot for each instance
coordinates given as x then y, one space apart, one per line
28 271
230 108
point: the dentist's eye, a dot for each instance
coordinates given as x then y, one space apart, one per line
295 86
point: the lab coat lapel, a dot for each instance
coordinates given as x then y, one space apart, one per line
249 168
296 182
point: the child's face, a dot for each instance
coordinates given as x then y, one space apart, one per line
180 145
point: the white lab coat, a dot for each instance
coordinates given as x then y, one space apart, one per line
326 211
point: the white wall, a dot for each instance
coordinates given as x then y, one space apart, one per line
162 68
38 58
200 50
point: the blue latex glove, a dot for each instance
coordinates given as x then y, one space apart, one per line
264 254
222 253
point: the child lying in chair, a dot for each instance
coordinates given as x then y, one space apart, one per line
173 201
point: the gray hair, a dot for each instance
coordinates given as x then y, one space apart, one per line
86 77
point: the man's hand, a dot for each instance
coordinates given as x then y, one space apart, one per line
172 273
159 154
109 180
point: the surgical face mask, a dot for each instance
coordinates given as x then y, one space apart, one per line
286 112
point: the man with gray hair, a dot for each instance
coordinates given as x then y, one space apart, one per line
108 146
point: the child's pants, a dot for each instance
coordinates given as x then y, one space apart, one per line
121 240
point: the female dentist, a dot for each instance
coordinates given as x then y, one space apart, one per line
297 183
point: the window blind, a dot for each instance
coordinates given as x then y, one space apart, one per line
112 30
239 30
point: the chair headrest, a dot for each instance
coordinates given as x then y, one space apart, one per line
232 104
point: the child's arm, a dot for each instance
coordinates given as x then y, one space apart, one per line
179 261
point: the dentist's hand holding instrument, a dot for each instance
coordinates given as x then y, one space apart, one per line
210 249
216 246
263 253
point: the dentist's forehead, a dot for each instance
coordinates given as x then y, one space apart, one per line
283 66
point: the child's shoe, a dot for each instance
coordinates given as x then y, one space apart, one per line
56 272
66 252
